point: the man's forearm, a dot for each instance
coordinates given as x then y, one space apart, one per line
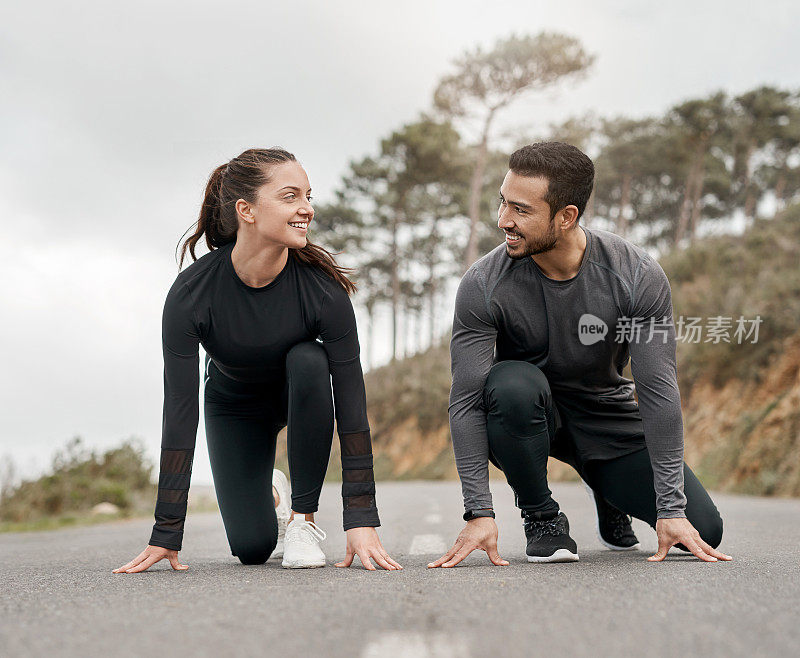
471 356
655 374
664 439
471 449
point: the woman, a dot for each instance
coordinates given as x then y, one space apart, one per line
258 302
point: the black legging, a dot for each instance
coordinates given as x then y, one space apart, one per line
242 424
523 432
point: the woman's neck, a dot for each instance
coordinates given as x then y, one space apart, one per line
257 263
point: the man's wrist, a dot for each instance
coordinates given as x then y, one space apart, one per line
471 514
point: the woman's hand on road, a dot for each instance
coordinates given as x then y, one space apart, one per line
480 533
364 542
681 531
148 557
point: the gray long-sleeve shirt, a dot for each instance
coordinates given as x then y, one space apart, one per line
580 332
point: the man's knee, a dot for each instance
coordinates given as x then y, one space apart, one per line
516 387
307 362
710 529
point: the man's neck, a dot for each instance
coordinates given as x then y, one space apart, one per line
564 260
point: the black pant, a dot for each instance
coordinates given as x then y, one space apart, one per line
242 424
524 429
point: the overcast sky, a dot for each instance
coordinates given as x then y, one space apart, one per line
111 120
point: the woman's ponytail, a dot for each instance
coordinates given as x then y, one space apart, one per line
209 223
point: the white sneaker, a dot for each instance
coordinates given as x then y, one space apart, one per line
301 547
283 510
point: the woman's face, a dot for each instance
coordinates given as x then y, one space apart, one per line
282 210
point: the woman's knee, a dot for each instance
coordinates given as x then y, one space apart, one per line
307 362
255 552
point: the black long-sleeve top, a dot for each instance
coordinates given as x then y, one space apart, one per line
247 332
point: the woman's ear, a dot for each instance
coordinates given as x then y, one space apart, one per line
244 212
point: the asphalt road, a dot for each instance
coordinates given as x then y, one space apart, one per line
58 596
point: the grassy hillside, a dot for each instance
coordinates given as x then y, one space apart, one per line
757 273
741 401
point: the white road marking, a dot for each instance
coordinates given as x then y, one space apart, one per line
433 519
400 644
427 545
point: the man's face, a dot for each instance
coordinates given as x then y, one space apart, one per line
524 216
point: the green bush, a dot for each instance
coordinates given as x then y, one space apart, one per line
80 479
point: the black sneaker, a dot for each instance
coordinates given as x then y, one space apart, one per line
548 539
613 527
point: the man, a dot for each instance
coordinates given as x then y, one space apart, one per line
543 327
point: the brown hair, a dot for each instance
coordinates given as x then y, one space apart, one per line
240 179
568 170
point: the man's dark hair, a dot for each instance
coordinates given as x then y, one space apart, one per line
568 170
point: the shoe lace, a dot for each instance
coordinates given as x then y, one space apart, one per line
305 531
619 522
539 528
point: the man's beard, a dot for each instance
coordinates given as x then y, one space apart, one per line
531 246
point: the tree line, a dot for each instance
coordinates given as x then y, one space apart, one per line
417 212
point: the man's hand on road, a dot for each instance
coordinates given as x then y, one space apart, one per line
480 533
680 531
148 557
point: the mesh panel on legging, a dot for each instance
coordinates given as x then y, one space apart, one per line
358 481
